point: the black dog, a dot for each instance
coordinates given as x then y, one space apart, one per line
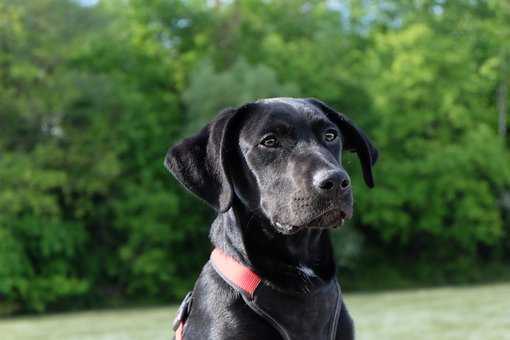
272 170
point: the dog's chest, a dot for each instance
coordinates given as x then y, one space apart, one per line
310 316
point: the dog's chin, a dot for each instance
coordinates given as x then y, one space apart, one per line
330 219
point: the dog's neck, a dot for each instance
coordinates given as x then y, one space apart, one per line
292 263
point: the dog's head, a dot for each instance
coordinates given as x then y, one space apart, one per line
280 158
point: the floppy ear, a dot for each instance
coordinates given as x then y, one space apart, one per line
199 162
355 139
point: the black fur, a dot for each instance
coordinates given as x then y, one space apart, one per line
276 203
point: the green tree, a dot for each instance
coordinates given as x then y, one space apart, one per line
209 91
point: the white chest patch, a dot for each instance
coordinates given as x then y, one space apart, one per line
307 271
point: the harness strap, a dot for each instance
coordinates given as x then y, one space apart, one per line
182 315
179 331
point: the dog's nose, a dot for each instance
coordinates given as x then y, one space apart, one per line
332 180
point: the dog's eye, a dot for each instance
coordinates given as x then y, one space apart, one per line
330 135
269 142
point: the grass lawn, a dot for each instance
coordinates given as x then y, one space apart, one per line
481 313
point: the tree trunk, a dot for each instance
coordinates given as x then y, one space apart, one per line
503 99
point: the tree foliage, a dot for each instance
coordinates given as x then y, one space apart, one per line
91 97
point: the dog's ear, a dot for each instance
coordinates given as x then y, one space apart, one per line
200 162
355 140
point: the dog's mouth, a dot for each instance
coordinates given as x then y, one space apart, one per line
329 218
333 218
287 229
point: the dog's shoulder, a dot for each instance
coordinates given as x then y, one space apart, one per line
219 312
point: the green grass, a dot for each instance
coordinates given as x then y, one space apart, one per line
481 312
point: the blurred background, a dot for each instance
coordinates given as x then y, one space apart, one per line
92 94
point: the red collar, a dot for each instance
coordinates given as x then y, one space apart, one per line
235 273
